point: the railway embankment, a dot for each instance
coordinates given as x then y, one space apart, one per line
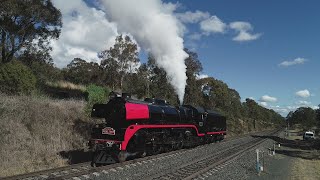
38 133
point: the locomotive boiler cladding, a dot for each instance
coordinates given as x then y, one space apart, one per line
138 128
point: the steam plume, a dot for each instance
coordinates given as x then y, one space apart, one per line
156 29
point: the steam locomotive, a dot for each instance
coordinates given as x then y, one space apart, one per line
139 128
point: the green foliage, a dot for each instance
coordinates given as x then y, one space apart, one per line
96 94
159 85
119 60
193 94
16 78
21 22
248 115
305 116
41 65
318 116
81 72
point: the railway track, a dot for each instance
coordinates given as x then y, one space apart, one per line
202 167
85 168
188 171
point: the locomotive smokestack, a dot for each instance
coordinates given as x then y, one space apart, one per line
157 30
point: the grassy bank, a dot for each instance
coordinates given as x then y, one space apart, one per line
34 131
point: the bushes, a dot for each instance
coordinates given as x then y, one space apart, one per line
16 78
96 94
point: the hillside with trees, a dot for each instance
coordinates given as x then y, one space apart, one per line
306 117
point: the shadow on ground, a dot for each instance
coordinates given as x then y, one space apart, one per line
83 128
296 148
76 156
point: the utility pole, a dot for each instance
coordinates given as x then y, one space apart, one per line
288 128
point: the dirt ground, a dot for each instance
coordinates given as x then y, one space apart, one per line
306 165
295 159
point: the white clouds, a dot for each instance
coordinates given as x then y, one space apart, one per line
213 25
85 32
201 76
303 103
195 36
282 110
192 17
80 36
303 93
267 98
293 62
285 109
243 29
265 104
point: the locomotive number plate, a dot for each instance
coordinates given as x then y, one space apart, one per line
108 130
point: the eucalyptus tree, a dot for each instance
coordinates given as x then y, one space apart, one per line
25 23
119 61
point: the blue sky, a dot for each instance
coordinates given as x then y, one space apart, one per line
289 30
266 50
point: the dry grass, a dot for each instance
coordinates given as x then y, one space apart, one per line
296 133
34 130
306 169
66 85
236 127
306 164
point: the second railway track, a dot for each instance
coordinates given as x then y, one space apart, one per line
196 168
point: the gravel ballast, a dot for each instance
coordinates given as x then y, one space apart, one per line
162 165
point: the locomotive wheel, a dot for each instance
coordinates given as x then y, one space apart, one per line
156 149
212 139
122 156
143 154
95 155
180 143
96 164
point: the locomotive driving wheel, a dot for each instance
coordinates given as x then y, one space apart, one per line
180 141
122 156
155 149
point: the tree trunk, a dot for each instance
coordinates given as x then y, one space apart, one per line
121 81
3 46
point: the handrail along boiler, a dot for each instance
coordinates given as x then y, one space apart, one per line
140 128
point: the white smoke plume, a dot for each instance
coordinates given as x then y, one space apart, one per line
157 30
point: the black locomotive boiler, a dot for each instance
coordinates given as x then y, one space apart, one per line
140 128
